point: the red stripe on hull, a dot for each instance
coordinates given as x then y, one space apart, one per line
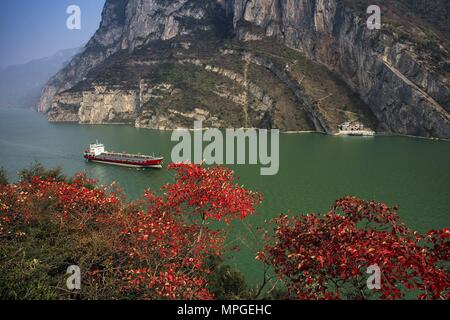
147 163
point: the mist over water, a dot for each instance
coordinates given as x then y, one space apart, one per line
314 171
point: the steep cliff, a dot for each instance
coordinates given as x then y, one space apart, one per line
105 42
401 85
293 65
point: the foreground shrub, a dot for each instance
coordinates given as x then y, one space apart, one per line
154 248
163 246
327 257
36 169
169 243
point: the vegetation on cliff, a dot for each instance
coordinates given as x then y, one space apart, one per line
323 66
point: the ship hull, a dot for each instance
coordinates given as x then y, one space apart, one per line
151 164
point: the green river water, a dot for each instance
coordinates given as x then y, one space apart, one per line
314 171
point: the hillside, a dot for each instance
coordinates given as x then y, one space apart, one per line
293 65
21 85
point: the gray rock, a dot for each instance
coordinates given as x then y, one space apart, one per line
404 93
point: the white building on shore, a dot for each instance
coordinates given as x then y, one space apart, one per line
355 128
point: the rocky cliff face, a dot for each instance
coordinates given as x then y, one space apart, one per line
105 42
294 65
388 74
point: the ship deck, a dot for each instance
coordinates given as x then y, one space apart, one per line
126 157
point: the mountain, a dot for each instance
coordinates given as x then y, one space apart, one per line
21 85
292 65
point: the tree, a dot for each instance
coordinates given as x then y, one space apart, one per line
158 247
327 257
170 243
36 169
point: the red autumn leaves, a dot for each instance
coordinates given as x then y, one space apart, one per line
173 231
162 242
212 194
326 257
74 204
160 245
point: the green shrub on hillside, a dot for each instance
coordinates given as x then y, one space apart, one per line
36 169
3 176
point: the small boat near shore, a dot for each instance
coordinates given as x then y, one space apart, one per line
97 153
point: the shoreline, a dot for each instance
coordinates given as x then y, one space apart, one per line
290 132
385 134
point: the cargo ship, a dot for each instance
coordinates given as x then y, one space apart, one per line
97 153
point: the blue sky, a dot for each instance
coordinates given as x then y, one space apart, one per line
31 29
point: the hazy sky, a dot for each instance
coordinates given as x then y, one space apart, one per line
31 29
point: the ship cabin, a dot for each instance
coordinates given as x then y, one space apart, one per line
96 149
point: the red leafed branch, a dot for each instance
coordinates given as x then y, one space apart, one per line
167 250
211 193
156 248
326 257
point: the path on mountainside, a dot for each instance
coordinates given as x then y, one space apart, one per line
433 102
